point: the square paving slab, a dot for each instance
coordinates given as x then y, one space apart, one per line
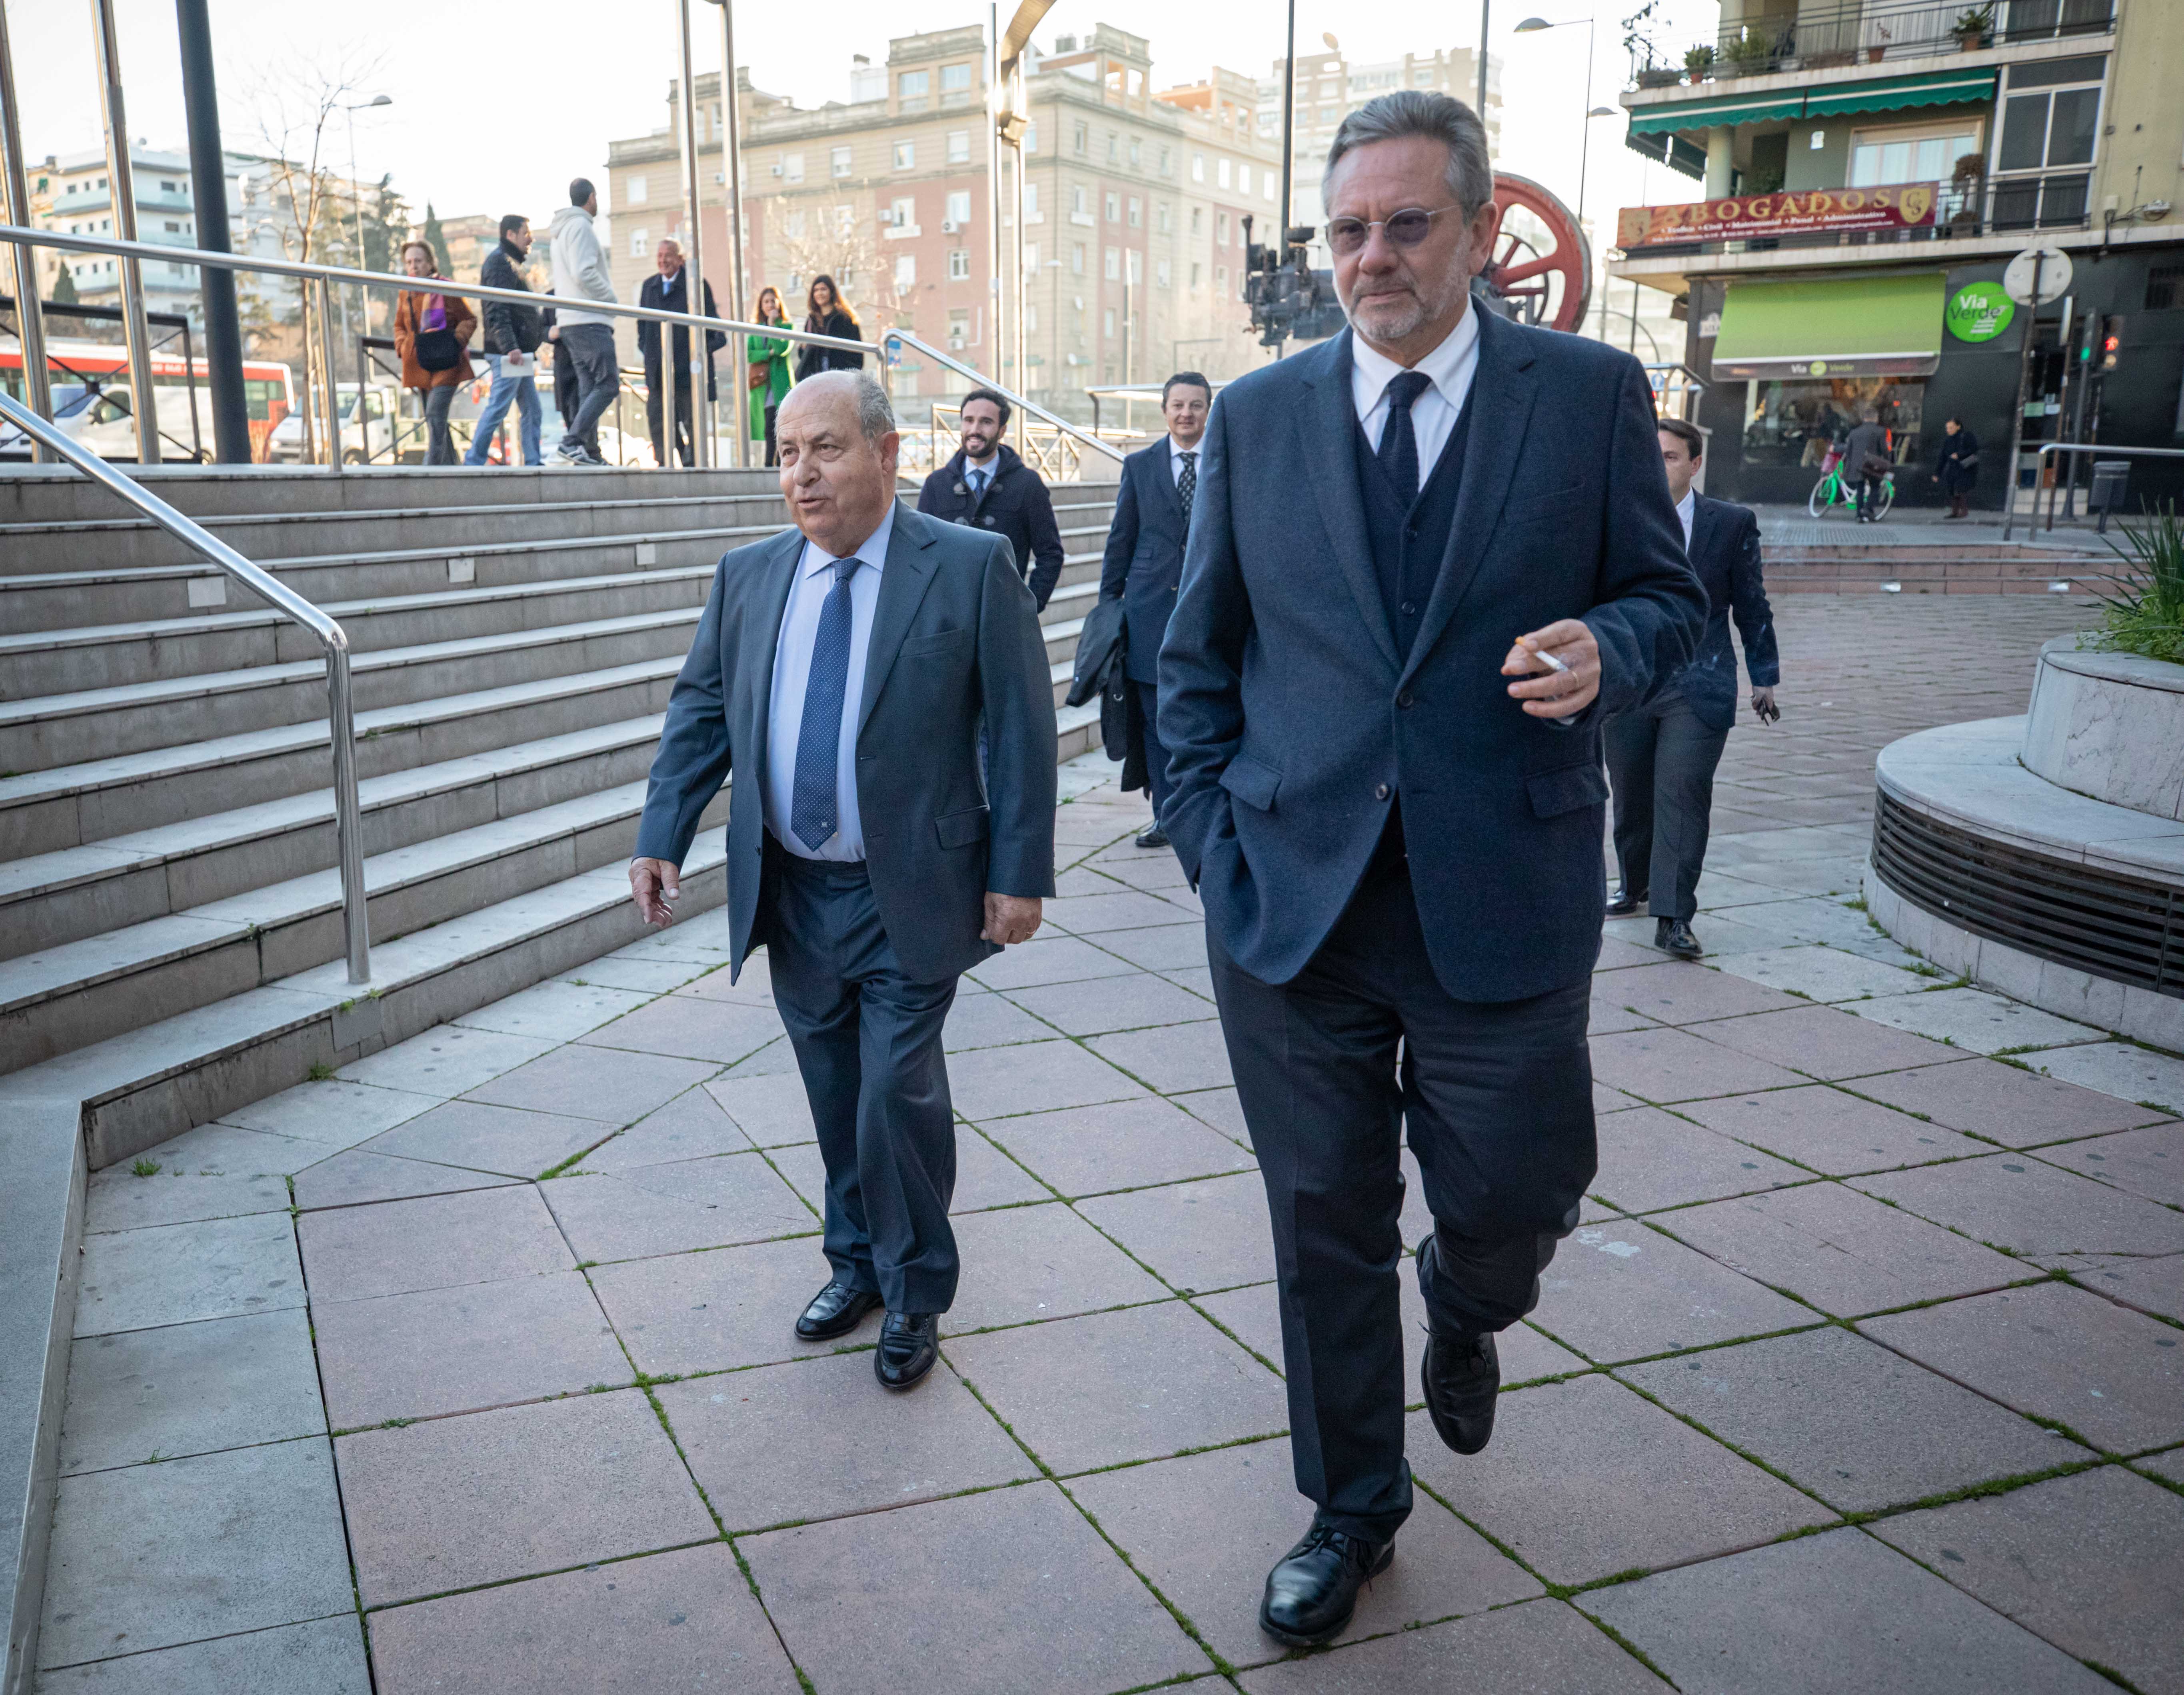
1171 947
1651 1158
2152 1285
355 1178
1087 1150
447 1060
324 1656
186 1389
353 1253
602 1083
1543 1647
1976 1019
2154 1080
1667 1065
1585 1478
1048 960
174 1273
693 1203
711 1312
1826 1043
772 1110
1113 1387
1818 973
2055 1351
1622 1291
1111 1003
1211 1234
454 1502
683 1620
1206 1529
1676 994
555 1011
213 1149
120 1199
1831 1130
691 1126
1033 1077
2094 1563
152 1556
2148 1161
2022 1205
1843 1251
503 1139
2003 1104
1834 1612
440 1351
1173 1058
979 1020
865 1448
1022 1263
344 1113
1858 1426
1026 1597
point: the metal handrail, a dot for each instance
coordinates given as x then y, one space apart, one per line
2009 512
341 718
1030 408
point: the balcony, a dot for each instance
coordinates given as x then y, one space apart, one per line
1820 37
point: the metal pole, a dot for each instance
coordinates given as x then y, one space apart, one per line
1289 136
1585 160
322 300
1482 8
121 184
991 331
693 266
348 818
230 403
2024 384
1023 282
732 198
30 316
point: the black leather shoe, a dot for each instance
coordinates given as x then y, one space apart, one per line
1673 935
1152 839
835 1310
1622 902
910 1343
1462 1377
1312 1593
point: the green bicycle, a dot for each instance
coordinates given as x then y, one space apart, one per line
1834 489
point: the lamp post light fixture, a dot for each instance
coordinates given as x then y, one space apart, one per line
1533 26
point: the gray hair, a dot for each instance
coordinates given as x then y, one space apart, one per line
875 416
1417 112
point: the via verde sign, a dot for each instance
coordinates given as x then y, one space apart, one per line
1979 312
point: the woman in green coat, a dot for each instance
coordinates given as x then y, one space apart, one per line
768 377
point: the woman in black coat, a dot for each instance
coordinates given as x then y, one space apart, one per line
827 314
1959 467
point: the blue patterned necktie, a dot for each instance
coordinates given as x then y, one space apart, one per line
1186 484
1399 441
811 810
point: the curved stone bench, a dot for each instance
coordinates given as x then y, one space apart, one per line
2109 726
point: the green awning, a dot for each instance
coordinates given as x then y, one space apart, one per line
1886 325
1882 94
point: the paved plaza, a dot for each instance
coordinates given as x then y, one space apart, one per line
471 1368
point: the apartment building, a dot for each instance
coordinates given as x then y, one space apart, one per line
1135 200
1869 169
73 195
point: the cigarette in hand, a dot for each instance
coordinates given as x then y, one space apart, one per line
1546 658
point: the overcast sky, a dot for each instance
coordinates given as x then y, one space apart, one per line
497 106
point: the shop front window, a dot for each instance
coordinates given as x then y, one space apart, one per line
1792 424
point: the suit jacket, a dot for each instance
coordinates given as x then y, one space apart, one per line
1144 564
1292 725
654 293
1014 503
954 639
1724 551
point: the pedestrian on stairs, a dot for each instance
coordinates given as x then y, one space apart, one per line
512 335
1959 471
585 338
987 486
431 333
1144 565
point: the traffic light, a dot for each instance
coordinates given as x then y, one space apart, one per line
2111 340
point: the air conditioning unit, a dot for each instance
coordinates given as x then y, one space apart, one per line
948 226
885 218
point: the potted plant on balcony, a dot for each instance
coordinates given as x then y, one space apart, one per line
1964 193
1698 62
1659 76
1748 55
1975 27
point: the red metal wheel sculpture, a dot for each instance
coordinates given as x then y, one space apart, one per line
1542 264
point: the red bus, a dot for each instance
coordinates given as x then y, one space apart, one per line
92 402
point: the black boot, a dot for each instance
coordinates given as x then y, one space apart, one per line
1312 1593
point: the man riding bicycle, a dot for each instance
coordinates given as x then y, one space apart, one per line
1867 457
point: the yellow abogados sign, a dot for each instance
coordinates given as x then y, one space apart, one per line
1900 206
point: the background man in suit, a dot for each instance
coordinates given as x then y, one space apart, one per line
988 488
1144 565
668 290
1392 804
1660 756
842 670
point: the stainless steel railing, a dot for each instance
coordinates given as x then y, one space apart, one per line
341 716
2039 457
1029 408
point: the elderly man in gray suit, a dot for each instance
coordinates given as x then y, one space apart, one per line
843 669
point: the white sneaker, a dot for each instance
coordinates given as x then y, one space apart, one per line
561 455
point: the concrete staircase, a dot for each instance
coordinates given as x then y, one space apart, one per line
169 911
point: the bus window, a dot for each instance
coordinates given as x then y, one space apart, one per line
259 397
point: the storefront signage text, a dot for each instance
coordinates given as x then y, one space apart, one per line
1903 206
1979 312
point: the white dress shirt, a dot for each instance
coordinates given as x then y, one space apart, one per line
982 479
1450 367
1175 453
792 670
1686 509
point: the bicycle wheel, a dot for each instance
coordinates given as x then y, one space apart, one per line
1884 498
1824 495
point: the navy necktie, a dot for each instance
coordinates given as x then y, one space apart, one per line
1186 485
812 808
1399 441
977 483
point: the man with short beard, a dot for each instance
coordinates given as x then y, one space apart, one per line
1425 559
986 486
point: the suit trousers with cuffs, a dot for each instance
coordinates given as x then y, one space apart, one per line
1363 1050
1661 760
866 1038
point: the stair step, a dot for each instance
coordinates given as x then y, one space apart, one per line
48 900
70 729
68 805
85 992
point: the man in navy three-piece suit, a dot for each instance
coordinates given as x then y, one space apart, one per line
1425 559
1143 567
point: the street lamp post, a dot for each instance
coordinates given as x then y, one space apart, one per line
1532 26
732 198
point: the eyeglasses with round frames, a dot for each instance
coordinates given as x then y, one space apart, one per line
1406 228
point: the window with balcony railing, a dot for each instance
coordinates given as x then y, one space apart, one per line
1785 37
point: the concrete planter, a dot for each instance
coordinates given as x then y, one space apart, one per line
2109 726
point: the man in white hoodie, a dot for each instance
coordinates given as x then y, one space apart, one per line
585 339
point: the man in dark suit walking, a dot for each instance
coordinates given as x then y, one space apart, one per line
1425 557
842 670
668 290
986 486
1144 564
1662 755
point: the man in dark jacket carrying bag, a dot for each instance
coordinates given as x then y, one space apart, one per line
512 335
987 486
